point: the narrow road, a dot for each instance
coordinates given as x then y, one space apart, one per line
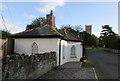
105 63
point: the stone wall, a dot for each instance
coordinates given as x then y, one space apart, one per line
27 67
112 50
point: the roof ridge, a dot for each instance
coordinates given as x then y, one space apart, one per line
29 30
39 31
25 31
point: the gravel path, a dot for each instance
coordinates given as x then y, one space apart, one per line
71 70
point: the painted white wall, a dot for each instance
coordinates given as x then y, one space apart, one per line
44 45
78 48
47 45
68 45
63 60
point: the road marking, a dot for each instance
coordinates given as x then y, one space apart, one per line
95 74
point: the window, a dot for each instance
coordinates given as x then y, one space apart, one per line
63 51
73 55
34 48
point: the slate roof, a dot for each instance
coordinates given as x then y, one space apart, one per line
37 33
46 32
69 36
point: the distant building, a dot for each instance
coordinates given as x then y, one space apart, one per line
88 29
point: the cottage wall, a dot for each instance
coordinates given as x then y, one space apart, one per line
67 51
44 45
78 51
47 45
64 43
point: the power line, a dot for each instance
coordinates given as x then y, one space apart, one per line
4 22
10 14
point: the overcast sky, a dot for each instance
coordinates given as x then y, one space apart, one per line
18 14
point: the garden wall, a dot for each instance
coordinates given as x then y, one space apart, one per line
112 50
27 67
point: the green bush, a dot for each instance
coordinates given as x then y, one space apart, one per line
4 34
112 42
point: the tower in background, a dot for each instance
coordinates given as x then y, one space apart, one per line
88 29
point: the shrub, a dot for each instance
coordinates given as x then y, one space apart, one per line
112 42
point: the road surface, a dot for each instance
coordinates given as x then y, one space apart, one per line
105 63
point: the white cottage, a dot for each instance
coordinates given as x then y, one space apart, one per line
45 39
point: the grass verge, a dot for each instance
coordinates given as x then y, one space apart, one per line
86 65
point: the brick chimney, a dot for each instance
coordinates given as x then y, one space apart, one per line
51 20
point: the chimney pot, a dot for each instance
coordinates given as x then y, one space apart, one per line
51 12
